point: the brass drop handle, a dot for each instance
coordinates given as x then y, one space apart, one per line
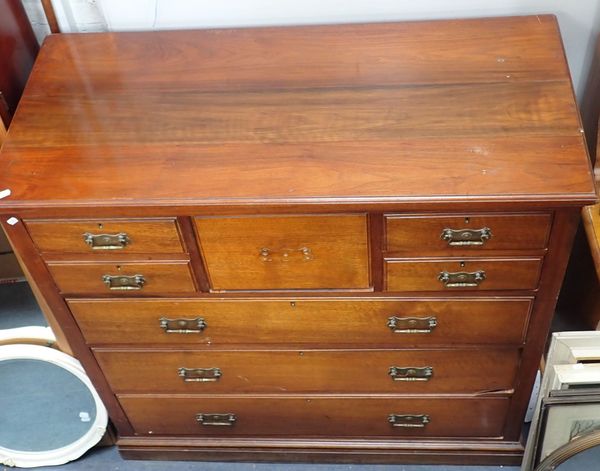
462 237
199 375
462 279
182 326
284 254
411 373
218 420
106 241
409 420
412 325
124 282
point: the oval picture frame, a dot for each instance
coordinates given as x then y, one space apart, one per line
72 451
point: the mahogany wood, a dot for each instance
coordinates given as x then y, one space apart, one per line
423 274
87 278
145 236
310 371
306 138
316 416
414 233
318 321
293 252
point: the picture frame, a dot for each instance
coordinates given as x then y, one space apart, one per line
564 418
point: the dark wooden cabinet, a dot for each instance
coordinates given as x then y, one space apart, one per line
325 243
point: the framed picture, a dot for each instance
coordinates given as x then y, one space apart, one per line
564 418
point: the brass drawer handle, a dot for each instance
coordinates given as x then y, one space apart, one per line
106 241
285 255
199 375
182 326
412 325
219 420
124 282
462 279
461 237
409 420
411 373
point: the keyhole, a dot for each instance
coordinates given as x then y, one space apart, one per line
467 220
119 267
100 226
293 303
462 264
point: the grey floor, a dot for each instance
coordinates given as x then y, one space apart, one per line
18 308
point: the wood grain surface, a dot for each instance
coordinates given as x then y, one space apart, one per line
271 115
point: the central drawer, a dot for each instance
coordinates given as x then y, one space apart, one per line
397 322
310 371
316 416
285 252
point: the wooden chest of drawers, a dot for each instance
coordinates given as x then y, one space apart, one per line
325 243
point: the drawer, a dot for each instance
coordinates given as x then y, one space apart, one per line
285 252
359 321
460 233
310 371
106 235
316 416
132 278
462 274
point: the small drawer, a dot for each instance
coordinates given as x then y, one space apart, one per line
285 252
459 233
462 274
310 371
126 278
316 416
364 321
106 235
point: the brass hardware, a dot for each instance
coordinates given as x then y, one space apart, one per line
411 373
462 279
409 420
123 282
456 237
182 326
286 255
412 325
199 375
219 420
106 241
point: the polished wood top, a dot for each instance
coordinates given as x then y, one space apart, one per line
463 111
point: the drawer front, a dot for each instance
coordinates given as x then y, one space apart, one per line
285 252
462 233
136 278
106 235
301 416
310 371
462 274
395 322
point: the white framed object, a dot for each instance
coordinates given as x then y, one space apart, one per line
33 334
37 376
575 375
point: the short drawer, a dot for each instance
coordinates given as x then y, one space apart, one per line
132 278
310 371
463 274
454 233
285 252
105 235
316 416
396 322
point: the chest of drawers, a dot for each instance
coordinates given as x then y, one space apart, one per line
326 243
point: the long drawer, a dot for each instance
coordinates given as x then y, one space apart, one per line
462 274
316 416
310 371
333 321
120 278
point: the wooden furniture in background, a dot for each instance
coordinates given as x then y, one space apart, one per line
355 234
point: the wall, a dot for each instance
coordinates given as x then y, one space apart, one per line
579 19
